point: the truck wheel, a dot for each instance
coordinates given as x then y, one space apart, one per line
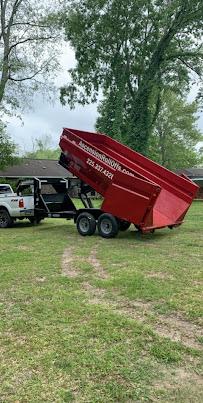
124 225
5 219
108 226
86 224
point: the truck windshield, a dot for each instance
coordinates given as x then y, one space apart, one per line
5 189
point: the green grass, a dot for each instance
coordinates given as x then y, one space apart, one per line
90 337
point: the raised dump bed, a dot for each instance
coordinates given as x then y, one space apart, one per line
134 188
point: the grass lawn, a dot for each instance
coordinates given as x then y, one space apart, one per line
91 320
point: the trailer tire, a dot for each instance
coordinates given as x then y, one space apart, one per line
86 224
108 226
5 219
124 225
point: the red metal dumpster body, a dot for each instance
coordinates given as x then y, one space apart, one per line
134 188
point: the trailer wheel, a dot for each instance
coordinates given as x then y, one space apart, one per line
5 219
86 224
124 225
108 226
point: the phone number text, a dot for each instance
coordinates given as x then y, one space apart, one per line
99 168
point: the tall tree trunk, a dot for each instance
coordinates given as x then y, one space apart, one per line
142 115
4 74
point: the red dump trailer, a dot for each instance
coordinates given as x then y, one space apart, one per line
134 188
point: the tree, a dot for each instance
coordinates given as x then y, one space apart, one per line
28 48
176 134
7 148
200 154
42 149
131 50
114 118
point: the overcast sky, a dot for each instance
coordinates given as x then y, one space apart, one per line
49 119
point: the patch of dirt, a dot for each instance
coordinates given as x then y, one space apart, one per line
179 330
40 279
137 310
174 327
14 338
159 275
99 270
183 375
182 380
197 283
67 264
95 295
24 248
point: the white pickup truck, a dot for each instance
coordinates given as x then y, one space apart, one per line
13 206
37 199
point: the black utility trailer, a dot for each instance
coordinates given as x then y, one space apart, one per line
52 197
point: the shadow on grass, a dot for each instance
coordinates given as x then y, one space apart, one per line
138 236
43 225
20 224
69 228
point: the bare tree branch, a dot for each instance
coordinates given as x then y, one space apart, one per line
37 38
187 64
31 76
30 24
25 78
19 65
185 54
13 13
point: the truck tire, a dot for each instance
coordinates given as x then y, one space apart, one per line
124 225
5 219
108 226
86 224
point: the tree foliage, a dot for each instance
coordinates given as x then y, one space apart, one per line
42 149
132 49
7 148
176 134
28 48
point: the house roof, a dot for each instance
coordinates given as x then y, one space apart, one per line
195 174
40 168
192 172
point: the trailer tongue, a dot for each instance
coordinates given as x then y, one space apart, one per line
135 189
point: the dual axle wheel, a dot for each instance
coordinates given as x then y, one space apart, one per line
108 226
